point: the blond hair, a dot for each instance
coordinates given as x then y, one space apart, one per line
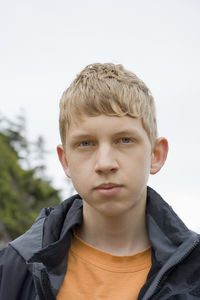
111 90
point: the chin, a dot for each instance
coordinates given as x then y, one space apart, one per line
114 210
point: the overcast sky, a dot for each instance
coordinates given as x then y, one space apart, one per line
45 43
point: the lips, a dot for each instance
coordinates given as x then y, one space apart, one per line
108 189
107 186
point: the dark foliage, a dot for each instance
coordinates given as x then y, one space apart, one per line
23 189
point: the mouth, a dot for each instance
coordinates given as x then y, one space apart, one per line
108 186
108 189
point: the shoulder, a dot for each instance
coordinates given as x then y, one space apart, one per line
15 275
9 255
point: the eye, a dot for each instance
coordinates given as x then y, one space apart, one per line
85 144
126 140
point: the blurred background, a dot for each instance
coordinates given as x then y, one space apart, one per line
44 44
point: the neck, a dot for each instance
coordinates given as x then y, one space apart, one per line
125 234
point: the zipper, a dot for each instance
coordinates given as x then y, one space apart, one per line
170 264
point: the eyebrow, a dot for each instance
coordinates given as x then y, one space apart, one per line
78 136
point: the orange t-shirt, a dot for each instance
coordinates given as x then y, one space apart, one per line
96 275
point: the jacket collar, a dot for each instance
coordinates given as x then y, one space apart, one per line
52 233
166 230
172 243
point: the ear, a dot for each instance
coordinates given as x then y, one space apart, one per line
159 155
63 160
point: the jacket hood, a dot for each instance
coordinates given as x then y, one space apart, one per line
52 234
166 230
54 226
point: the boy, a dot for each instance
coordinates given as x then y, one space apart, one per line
117 239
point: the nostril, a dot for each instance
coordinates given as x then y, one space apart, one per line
106 159
106 167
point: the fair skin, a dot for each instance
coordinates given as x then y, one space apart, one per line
109 160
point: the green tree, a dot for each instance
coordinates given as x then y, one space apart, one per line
23 191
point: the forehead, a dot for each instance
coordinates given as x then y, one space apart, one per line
105 125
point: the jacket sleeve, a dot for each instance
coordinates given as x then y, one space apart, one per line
16 282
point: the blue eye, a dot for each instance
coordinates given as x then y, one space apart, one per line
126 140
85 144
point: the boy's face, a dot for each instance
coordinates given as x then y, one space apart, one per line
109 161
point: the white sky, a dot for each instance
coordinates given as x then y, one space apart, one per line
45 43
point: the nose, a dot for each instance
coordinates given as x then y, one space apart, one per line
106 161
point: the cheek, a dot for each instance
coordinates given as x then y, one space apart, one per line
144 163
79 165
79 173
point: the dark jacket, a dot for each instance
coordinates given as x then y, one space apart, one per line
34 265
